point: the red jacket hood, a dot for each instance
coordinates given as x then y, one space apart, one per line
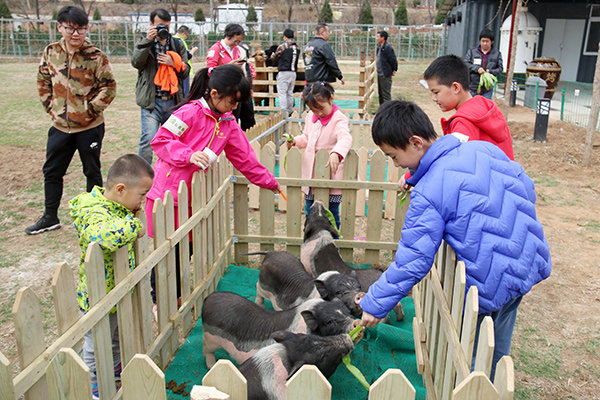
481 119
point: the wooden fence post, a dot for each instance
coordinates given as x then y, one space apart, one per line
96 283
68 377
226 377
485 346
308 383
183 210
267 198
127 332
295 199
348 211
143 380
362 82
393 384
361 196
64 296
27 319
142 302
7 390
374 215
322 172
504 381
475 386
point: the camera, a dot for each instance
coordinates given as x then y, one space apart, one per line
162 31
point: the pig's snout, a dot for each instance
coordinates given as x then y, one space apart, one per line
358 298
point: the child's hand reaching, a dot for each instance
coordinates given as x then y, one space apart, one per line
402 184
142 231
334 162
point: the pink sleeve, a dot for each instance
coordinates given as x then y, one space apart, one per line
168 143
213 56
243 158
344 138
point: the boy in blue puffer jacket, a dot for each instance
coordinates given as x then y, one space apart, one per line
476 199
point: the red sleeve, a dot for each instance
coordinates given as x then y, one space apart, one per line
461 125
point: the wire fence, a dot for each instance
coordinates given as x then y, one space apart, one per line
576 103
28 38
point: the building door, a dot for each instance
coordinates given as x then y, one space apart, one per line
563 40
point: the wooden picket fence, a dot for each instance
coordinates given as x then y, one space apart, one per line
361 90
55 371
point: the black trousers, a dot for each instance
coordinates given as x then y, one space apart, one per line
59 152
245 113
177 274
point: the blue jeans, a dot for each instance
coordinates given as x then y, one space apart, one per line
487 95
504 325
333 207
151 121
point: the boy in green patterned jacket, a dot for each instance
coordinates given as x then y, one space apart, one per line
75 84
108 216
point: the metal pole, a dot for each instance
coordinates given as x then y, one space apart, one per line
562 103
12 38
541 120
514 88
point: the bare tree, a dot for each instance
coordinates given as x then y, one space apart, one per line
593 121
26 7
82 5
137 6
510 71
290 5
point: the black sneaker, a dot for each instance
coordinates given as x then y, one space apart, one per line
46 223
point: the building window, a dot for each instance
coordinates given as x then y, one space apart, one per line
592 37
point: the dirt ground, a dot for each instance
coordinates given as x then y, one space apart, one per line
556 345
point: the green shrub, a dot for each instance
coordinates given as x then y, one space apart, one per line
401 14
326 14
4 11
199 15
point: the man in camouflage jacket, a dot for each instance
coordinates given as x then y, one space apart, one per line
75 84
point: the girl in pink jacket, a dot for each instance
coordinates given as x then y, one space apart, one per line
326 127
204 121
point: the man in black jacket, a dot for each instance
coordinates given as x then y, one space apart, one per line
286 55
319 60
483 58
387 65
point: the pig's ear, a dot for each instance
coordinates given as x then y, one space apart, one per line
282 336
320 285
354 275
311 321
295 368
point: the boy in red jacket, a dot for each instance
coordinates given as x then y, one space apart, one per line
476 118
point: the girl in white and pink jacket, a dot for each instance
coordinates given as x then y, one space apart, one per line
326 127
203 120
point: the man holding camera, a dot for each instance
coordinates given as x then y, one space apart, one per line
149 54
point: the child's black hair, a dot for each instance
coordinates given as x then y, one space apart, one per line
72 14
315 92
288 33
447 70
397 120
228 80
129 169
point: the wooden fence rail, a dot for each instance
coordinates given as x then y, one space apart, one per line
361 90
444 335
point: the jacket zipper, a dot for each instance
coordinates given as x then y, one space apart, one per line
69 59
